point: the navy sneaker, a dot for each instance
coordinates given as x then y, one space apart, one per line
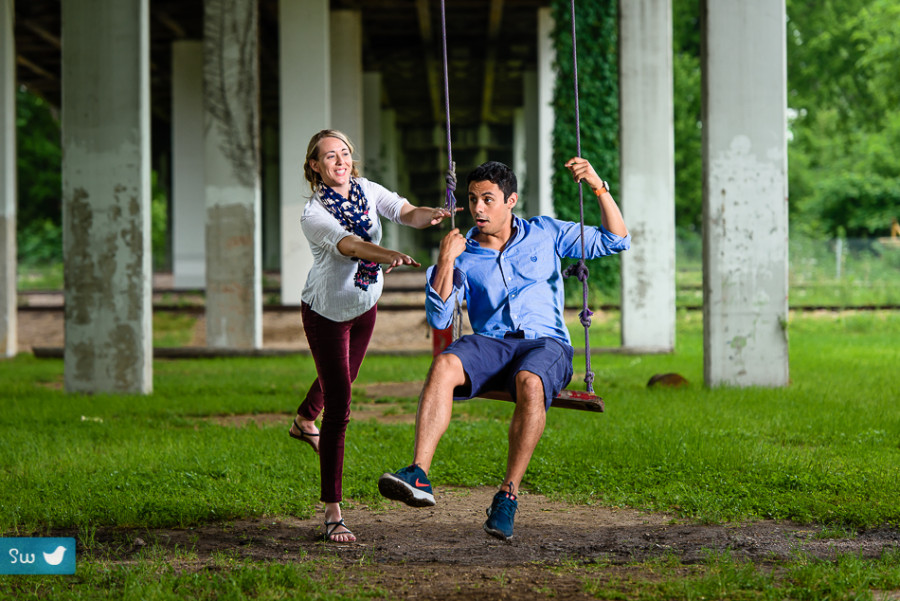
501 514
409 485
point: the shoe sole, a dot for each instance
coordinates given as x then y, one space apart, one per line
496 533
396 489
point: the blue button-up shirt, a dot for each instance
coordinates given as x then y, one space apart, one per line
521 288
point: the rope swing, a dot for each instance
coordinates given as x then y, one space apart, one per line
567 399
580 269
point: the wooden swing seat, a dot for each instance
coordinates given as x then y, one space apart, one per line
567 399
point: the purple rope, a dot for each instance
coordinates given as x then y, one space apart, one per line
580 269
450 178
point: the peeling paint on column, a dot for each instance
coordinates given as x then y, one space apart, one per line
106 196
745 283
233 227
83 361
124 343
79 265
232 290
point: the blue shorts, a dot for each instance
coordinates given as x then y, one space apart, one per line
492 364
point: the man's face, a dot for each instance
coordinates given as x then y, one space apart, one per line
491 214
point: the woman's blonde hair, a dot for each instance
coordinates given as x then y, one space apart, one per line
312 152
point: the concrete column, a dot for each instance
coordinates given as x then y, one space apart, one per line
347 75
745 216
647 151
529 186
106 196
519 153
373 155
372 165
271 200
8 324
233 211
188 183
395 236
546 80
390 147
305 75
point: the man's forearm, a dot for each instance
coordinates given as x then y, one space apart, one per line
442 279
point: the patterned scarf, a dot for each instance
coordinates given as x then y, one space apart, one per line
353 215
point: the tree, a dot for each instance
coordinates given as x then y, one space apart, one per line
844 175
39 167
598 94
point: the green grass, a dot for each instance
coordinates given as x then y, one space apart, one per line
40 277
722 576
159 577
163 575
824 450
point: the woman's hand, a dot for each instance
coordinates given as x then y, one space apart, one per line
422 217
438 214
397 259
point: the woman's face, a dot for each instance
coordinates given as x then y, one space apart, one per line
334 163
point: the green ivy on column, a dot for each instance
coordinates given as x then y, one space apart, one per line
598 94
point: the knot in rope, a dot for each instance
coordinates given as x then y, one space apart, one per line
579 270
589 381
450 179
585 317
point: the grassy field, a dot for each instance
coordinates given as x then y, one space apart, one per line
824 450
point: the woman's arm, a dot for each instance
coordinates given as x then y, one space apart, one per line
422 217
354 246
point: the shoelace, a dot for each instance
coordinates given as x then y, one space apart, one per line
507 508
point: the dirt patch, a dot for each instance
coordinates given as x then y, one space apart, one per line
442 552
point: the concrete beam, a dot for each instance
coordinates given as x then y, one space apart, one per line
542 184
745 216
347 75
8 285
305 95
647 174
233 195
188 164
106 196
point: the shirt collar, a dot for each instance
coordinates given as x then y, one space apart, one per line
518 232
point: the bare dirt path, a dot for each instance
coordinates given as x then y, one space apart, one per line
443 553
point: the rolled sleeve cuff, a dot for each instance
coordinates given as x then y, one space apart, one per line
439 312
611 244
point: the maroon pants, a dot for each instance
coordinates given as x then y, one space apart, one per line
338 348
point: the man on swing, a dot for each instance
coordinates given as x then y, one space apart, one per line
508 269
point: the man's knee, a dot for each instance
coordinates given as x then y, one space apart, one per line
529 386
447 369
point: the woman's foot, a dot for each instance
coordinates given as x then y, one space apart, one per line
306 431
336 530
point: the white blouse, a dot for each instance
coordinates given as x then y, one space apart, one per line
329 289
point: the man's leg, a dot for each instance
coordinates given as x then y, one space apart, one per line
525 429
436 406
410 485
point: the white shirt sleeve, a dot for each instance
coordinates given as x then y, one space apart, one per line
320 227
387 203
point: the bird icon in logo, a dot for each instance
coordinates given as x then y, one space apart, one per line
55 558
